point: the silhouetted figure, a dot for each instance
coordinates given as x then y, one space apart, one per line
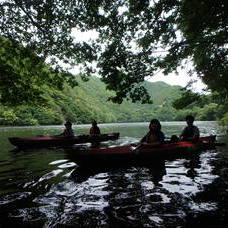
191 132
155 135
68 131
94 130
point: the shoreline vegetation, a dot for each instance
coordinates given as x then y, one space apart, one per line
88 102
31 72
42 96
136 122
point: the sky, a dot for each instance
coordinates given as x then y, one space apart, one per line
181 79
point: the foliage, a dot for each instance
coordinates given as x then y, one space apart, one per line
89 101
7 116
23 75
29 115
187 98
208 38
209 112
136 39
224 120
205 107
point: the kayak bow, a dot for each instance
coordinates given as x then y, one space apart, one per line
60 141
130 155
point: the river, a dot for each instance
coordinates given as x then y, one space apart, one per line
43 188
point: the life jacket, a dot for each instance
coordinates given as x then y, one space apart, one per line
68 132
190 132
94 131
154 137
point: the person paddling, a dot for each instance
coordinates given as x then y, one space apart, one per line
190 132
155 136
68 131
94 130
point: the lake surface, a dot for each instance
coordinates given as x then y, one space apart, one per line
43 188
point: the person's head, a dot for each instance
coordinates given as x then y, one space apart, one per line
189 120
94 123
155 125
68 124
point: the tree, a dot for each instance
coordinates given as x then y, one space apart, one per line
187 98
137 38
24 76
209 112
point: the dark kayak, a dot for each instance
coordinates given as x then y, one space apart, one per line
121 155
61 141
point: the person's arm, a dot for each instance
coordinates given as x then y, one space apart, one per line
71 132
159 141
195 135
144 138
196 132
162 137
143 142
182 134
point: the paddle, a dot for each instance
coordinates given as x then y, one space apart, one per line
135 149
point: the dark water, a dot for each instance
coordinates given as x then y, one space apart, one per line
42 188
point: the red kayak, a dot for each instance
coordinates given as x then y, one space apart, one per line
131 154
61 141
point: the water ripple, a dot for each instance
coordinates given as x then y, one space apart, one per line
58 162
40 188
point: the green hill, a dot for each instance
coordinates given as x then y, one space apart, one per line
89 101
26 80
92 96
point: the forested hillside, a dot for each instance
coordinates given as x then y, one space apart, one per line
31 73
89 101
32 93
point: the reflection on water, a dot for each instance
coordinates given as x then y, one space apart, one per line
42 188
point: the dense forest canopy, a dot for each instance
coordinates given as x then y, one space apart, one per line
88 101
25 76
137 38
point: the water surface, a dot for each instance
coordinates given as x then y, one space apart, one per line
43 188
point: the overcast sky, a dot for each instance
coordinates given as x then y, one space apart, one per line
181 79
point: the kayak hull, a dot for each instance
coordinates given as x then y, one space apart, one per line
129 155
60 141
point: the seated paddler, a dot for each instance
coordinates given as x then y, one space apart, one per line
190 132
68 131
155 136
94 130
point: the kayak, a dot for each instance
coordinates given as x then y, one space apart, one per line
129 154
60 141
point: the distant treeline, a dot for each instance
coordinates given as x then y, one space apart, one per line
89 101
32 93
